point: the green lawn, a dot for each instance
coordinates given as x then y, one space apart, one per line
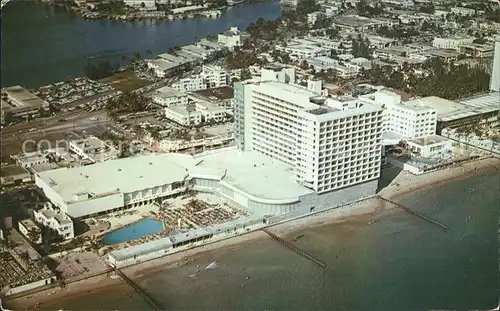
125 81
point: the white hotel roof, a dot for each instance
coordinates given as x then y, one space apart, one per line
122 175
255 174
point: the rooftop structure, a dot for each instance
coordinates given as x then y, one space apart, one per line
92 189
17 102
255 174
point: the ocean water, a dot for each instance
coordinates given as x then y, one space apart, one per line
134 231
399 262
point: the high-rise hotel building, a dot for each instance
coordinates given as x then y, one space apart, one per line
330 143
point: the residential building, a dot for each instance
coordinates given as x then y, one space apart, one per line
361 24
145 5
54 218
30 230
407 119
313 17
19 103
232 38
161 66
214 76
183 116
93 149
451 43
168 97
211 112
463 11
190 84
477 50
302 51
329 144
278 73
430 146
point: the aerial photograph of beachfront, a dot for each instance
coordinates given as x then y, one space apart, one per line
250 155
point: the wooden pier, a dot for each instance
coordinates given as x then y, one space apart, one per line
426 218
296 249
139 291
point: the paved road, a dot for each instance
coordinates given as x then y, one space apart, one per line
74 120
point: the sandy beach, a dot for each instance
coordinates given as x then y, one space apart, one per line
363 213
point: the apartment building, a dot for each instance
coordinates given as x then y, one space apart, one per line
278 73
329 144
93 149
313 17
30 230
303 51
232 38
54 218
168 97
409 120
183 116
210 111
214 76
463 11
451 43
191 84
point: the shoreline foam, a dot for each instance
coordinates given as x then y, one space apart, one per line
366 211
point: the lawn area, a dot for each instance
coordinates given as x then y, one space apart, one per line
125 81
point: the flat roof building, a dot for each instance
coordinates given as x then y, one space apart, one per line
17 102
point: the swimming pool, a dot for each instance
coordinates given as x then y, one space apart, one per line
134 231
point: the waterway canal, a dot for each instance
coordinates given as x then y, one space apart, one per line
41 45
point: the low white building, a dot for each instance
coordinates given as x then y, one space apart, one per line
452 43
30 230
463 11
210 111
313 17
93 149
408 120
214 76
56 219
161 66
146 5
232 38
191 84
430 146
281 74
305 51
183 116
168 97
